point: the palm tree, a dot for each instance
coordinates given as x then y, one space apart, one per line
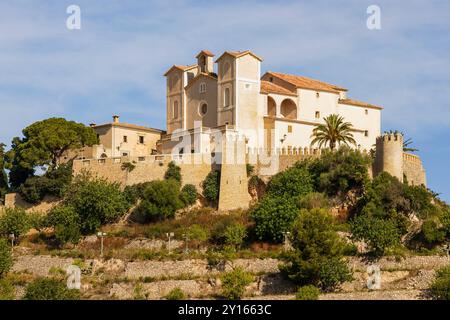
333 131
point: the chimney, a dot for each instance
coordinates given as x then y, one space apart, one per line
116 119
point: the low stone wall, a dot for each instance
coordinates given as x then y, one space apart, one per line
15 200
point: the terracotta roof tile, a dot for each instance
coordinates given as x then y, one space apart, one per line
238 54
206 52
269 87
358 103
307 83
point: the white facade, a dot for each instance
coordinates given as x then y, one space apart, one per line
283 106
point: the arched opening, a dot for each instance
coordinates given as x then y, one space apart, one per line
289 109
226 97
271 107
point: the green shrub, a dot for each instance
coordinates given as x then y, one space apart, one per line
293 182
54 182
161 200
96 201
313 200
14 220
433 231
176 294
7 291
308 292
440 288
332 273
379 234
337 172
50 289
317 252
189 194
235 234
135 192
173 172
211 186
273 216
66 222
198 233
6 260
234 283
128 166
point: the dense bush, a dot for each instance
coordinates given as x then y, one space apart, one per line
66 222
379 234
6 260
235 234
273 216
293 182
337 172
96 201
7 291
14 220
308 292
189 194
134 192
54 182
198 233
234 283
433 232
317 252
161 200
173 172
50 289
211 186
440 288
176 294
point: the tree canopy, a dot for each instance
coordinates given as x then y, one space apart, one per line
3 176
43 144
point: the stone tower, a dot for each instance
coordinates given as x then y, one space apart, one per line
389 155
233 174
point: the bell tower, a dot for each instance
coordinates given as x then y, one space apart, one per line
205 62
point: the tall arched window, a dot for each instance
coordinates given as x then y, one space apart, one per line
226 97
175 110
288 109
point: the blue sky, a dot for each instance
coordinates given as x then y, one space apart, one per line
115 63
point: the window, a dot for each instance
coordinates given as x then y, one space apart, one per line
248 86
202 87
366 133
289 129
175 110
317 94
141 139
125 139
203 109
271 79
226 97
366 111
125 154
317 114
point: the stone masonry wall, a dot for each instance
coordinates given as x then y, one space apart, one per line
413 169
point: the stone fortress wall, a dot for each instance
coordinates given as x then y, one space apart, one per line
234 183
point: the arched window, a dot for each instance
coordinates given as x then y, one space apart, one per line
226 97
289 109
271 107
175 110
203 109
